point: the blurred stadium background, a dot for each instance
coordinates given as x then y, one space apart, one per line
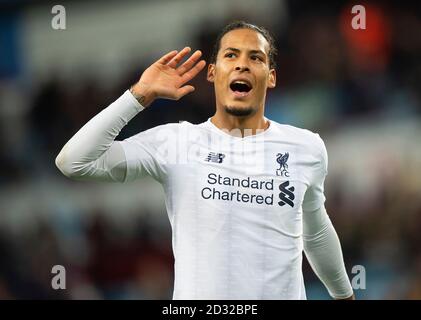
361 90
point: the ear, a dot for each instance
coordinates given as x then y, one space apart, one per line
272 79
211 72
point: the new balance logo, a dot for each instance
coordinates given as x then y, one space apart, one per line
286 196
215 157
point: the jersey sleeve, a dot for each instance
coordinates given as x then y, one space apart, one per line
149 152
314 197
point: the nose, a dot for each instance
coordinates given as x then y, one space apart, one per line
242 64
242 68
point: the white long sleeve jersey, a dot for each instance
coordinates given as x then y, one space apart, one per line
237 205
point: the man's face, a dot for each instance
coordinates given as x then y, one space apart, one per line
241 74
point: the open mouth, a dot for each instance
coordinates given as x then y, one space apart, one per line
240 87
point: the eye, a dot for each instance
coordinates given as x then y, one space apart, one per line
230 55
256 58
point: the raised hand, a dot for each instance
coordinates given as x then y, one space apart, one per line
166 78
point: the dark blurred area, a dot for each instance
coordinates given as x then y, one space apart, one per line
359 89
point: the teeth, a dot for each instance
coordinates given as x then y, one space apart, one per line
242 82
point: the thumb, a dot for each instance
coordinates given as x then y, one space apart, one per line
185 90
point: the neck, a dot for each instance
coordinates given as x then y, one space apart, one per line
244 126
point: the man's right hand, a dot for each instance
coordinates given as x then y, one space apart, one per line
164 79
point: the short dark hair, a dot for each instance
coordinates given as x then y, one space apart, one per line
245 25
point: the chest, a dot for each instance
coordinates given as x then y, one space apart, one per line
256 176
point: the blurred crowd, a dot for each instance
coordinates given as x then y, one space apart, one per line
329 77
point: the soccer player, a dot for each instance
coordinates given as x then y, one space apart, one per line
244 194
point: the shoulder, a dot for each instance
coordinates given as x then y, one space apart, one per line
176 126
168 132
167 128
303 137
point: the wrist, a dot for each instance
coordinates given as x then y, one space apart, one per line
142 94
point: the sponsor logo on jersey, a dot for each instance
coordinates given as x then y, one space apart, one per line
286 195
247 190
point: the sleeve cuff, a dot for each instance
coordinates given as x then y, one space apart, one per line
130 98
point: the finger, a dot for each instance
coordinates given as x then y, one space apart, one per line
189 63
166 58
184 90
193 71
176 60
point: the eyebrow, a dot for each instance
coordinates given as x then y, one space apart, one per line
238 50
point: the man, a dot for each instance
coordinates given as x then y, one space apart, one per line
244 194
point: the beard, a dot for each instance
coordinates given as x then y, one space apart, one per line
240 111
